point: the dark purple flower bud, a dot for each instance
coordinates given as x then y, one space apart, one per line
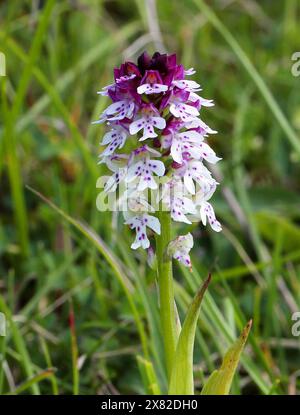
143 62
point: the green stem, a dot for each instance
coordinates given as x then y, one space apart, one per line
166 291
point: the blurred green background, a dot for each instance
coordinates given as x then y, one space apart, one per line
58 55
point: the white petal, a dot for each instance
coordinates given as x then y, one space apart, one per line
157 88
115 107
184 111
148 132
153 223
136 244
207 210
189 184
184 84
203 213
158 122
215 225
157 167
205 127
107 138
136 126
147 182
208 154
183 258
130 109
189 241
189 205
206 102
190 71
174 110
180 217
191 136
193 97
189 109
176 151
143 88
101 120
145 243
151 89
133 171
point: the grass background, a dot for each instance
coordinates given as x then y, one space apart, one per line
81 309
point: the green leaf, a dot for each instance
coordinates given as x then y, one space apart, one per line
47 373
182 379
219 382
149 376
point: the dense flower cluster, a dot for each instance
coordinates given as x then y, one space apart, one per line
155 132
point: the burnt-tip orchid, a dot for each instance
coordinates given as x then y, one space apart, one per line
156 140
156 151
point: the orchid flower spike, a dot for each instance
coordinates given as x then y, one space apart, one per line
156 142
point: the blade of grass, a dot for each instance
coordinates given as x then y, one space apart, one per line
20 345
46 352
14 174
148 372
74 351
2 360
32 381
14 169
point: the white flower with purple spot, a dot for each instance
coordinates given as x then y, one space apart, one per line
176 200
186 142
187 85
118 165
152 84
183 111
200 126
139 223
114 140
193 172
114 180
119 110
142 171
191 143
180 248
147 122
207 211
